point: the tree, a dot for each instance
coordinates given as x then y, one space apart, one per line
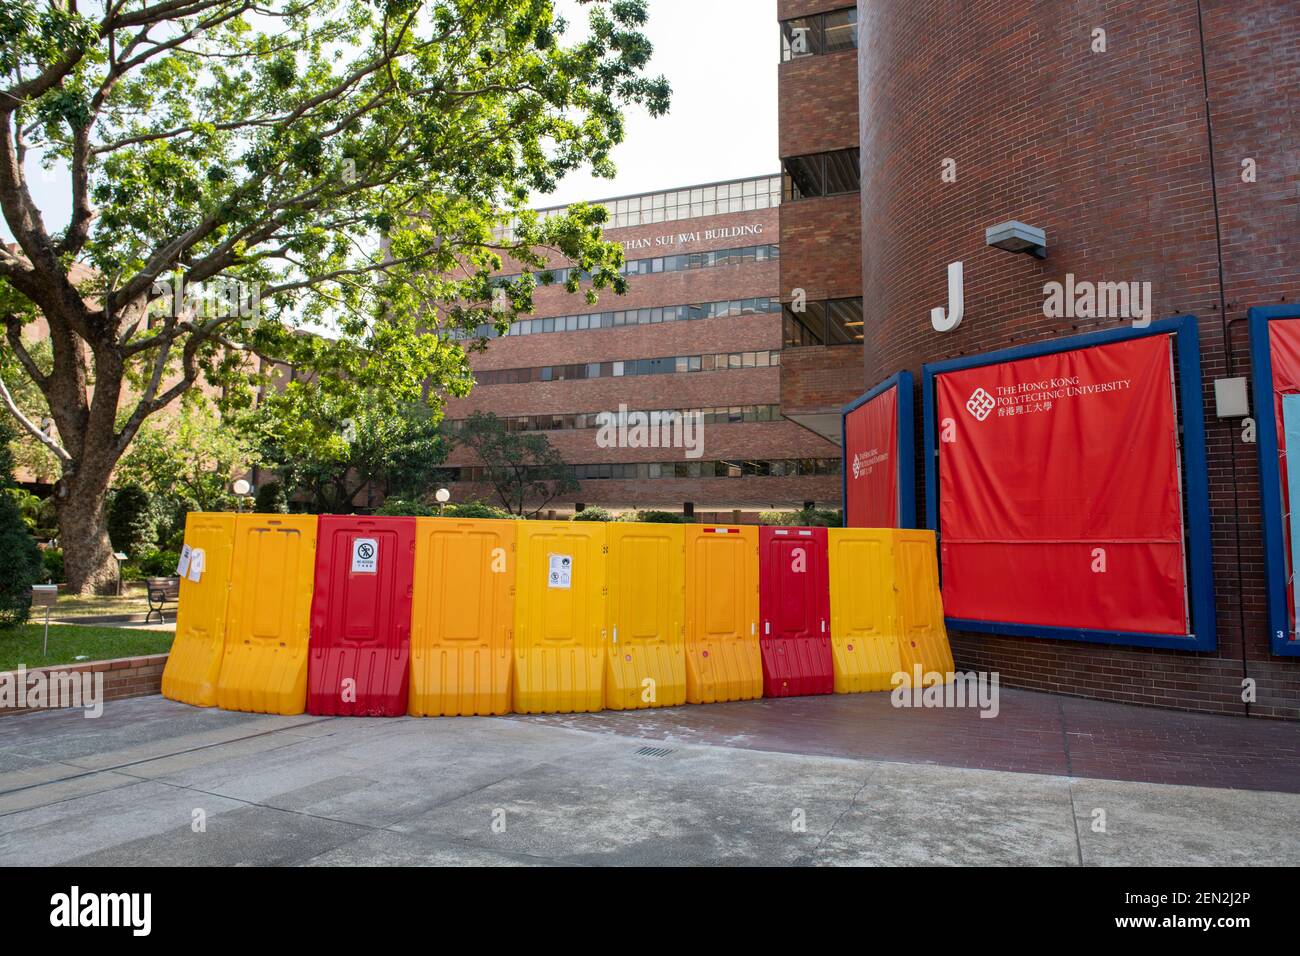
521 467
271 499
359 168
193 457
132 527
333 447
19 556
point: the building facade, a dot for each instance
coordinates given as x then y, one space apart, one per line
1153 143
699 333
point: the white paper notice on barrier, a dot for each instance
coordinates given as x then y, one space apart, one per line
196 564
183 565
560 571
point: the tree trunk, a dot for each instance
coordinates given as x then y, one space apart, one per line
83 535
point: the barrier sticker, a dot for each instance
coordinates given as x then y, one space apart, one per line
196 564
561 571
365 555
183 565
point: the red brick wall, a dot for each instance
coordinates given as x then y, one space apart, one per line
124 677
1110 153
820 378
818 108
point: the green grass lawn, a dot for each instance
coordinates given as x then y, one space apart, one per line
132 601
22 645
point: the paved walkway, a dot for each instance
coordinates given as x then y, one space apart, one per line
158 783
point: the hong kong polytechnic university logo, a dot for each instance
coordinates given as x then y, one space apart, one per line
980 404
857 465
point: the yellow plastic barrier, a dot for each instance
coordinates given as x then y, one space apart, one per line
264 669
560 617
922 636
462 621
723 661
886 612
864 626
646 660
194 663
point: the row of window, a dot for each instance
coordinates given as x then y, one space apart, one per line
832 322
820 174
820 33
608 320
721 415
668 365
743 195
677 263
780 468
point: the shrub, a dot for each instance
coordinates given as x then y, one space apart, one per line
52 560
158 564
663 517
595 513
131 523
803 518
404 506
271 499
474 509
21 561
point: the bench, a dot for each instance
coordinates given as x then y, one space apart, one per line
161 590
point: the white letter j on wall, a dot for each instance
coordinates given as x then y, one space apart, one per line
956 302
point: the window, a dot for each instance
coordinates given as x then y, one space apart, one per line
843 321
835 322
820 174
820 33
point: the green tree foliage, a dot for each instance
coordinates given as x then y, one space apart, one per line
193 457
524 469
331 448
132 525
19 556
363 167
271 499
803 518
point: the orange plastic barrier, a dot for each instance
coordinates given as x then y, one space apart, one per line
646 659
723 661
462 626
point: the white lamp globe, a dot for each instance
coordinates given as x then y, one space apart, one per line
442 495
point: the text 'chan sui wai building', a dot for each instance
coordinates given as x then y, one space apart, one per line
683 370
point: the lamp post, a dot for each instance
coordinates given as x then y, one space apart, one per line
241 488
442 495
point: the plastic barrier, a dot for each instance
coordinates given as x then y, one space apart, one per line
361 616
462 626
922 636
794 602
646 659
723 661
194 663
864 609
560 618
264 668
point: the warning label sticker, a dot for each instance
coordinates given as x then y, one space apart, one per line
560 572
365 555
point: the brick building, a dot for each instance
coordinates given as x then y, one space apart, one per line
699 332
1155 142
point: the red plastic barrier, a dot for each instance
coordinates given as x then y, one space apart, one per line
361 617
794 606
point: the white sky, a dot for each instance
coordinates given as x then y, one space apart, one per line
720 57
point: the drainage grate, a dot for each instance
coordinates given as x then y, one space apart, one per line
654 752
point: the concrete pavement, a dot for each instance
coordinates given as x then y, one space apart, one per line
155 782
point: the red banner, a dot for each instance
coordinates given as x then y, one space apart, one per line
1284 349
1060 499
871 463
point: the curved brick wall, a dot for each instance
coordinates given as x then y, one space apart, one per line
1112 153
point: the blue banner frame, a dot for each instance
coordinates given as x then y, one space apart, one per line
1270 478
1196 492
906 454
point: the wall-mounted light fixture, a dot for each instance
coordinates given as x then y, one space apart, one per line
1015 236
